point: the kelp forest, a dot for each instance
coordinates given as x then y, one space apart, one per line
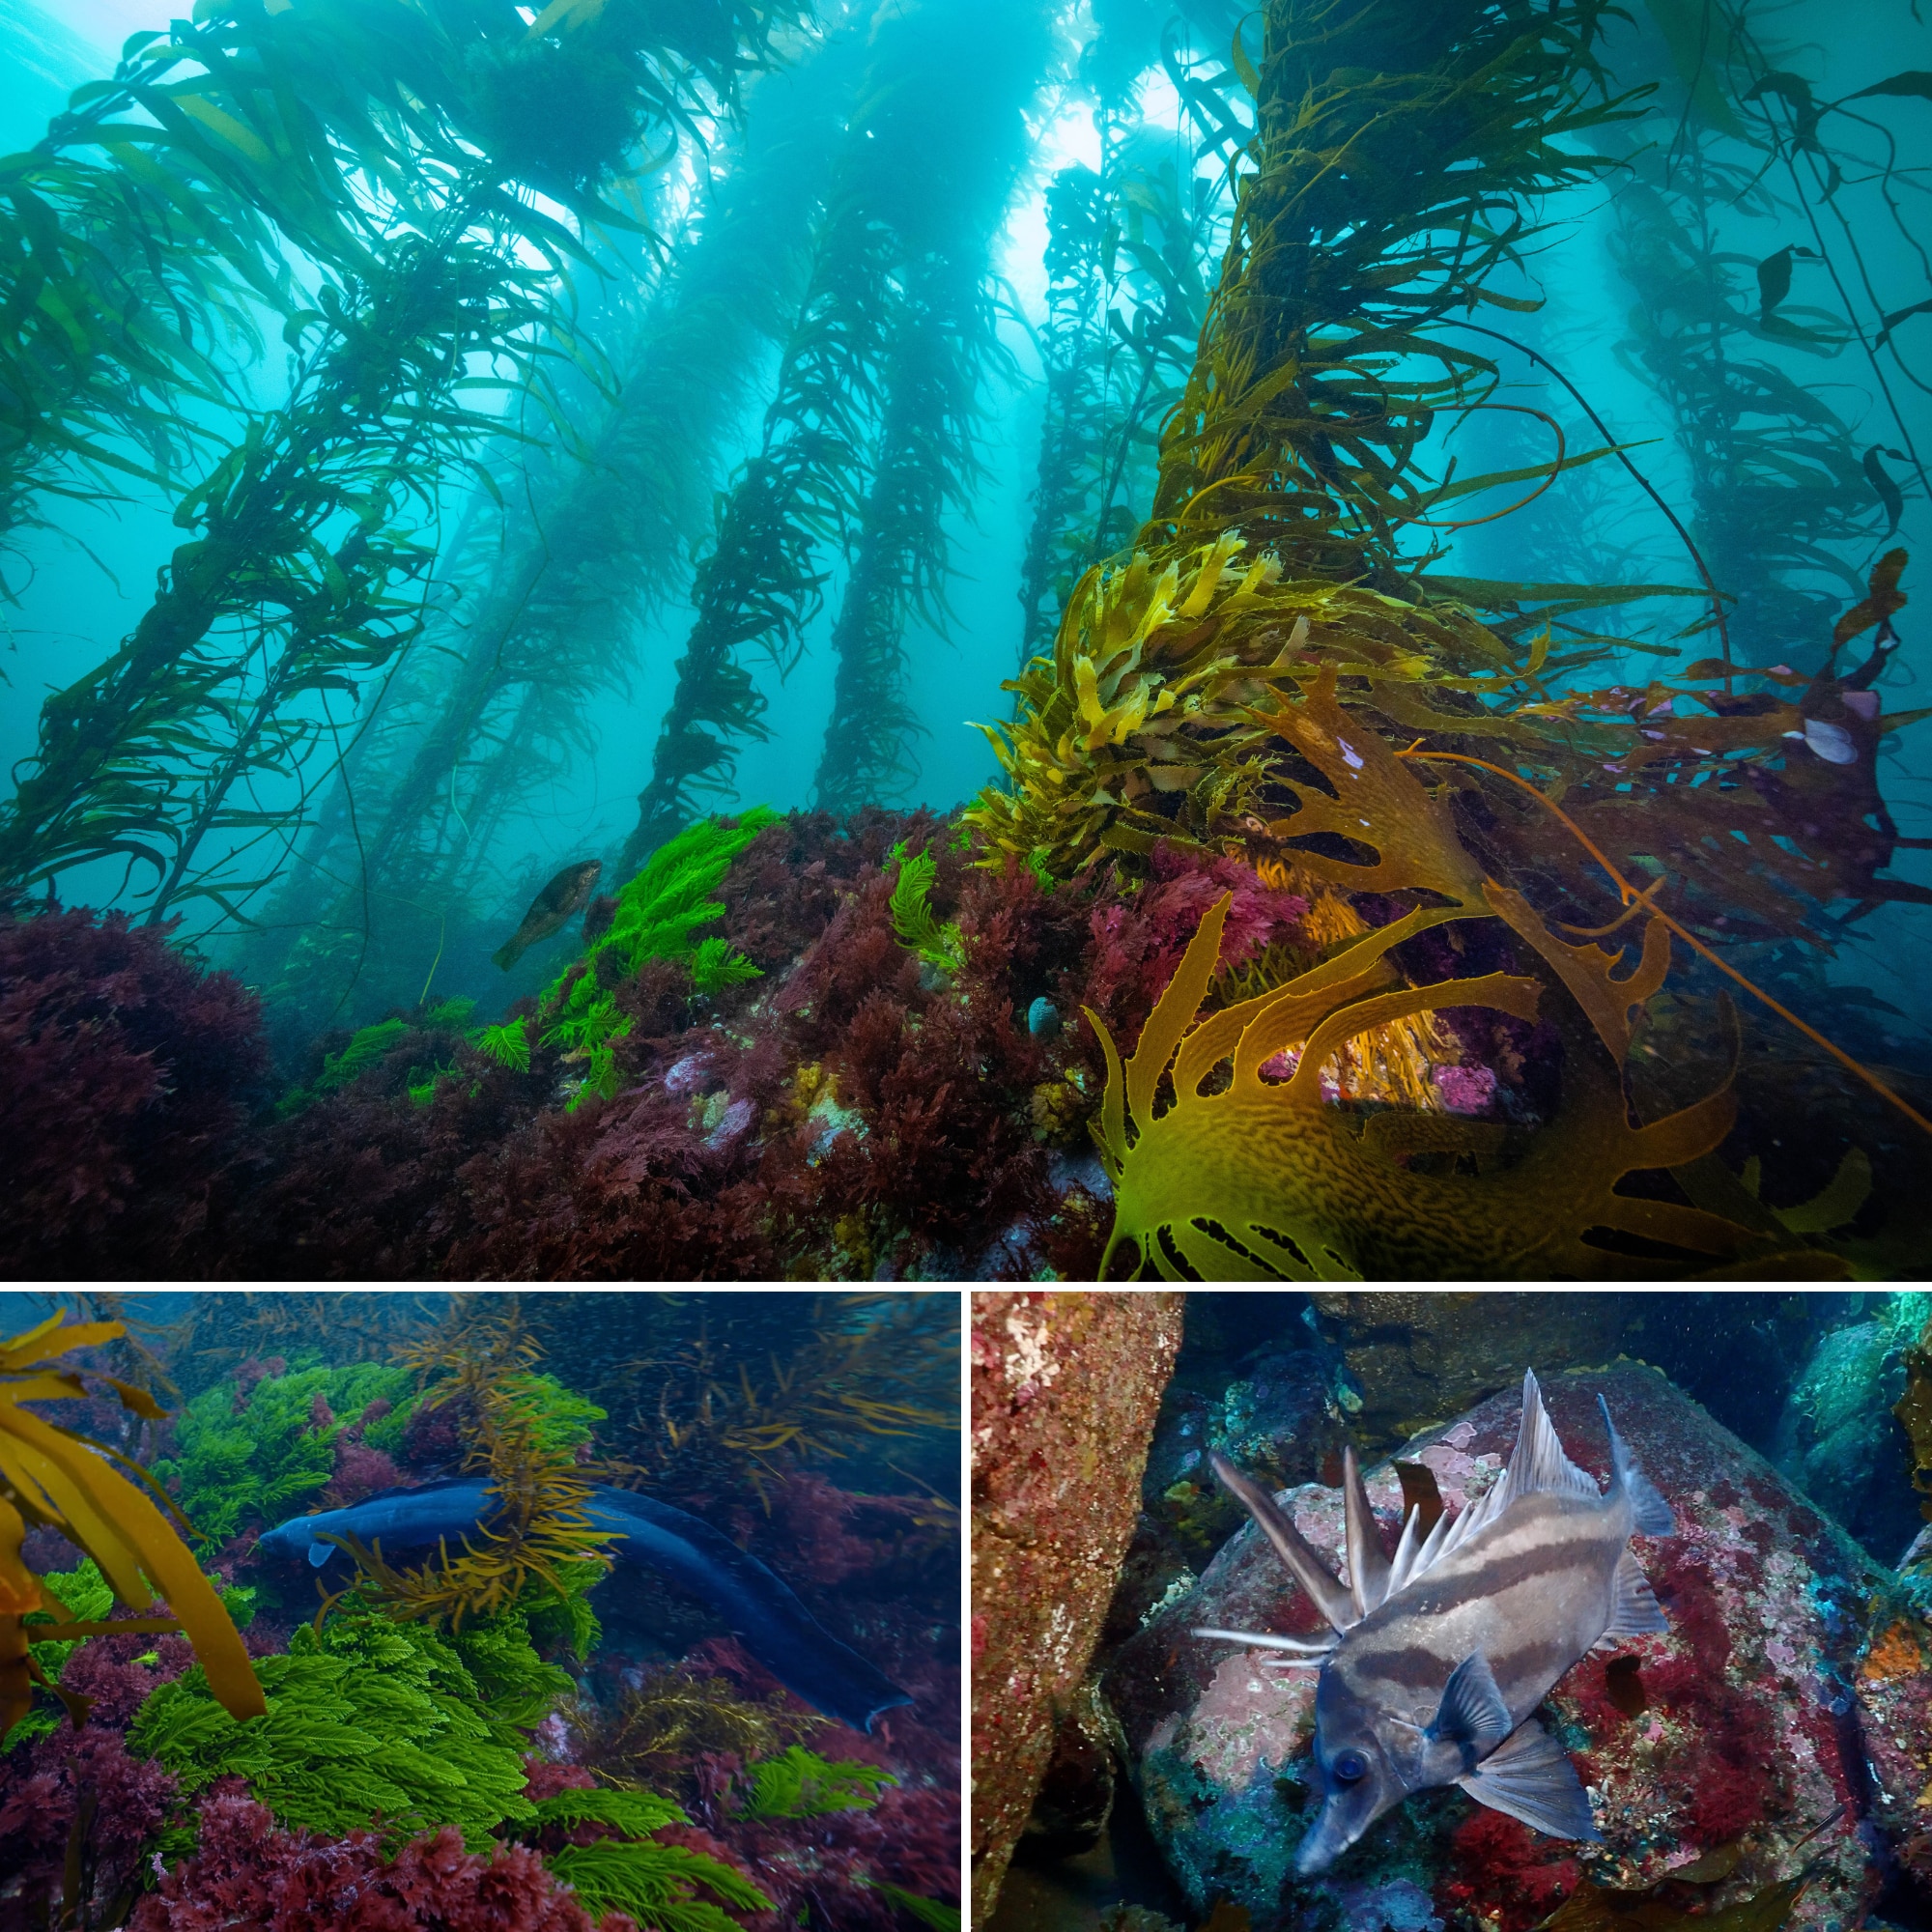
977 639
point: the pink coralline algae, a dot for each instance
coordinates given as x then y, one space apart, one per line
1467 1089
360 1472
42 1786
1771 1714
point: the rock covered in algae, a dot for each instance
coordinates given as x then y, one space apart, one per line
1838 1437
1413 1357
1787 1706
1065 1392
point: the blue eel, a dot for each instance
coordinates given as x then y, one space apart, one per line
760 1610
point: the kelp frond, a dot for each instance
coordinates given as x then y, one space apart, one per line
869 1366
52 1478
538 1541
1264 1181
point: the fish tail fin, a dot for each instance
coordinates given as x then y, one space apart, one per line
1650 1513
506 956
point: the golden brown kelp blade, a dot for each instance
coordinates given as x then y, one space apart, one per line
1265 1180
61 1481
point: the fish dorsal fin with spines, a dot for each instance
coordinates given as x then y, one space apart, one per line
1327 1596
1537 1464
1368 1560
1416 1558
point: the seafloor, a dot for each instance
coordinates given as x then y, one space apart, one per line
849 1051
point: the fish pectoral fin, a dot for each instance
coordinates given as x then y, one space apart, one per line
1528 1777
1472 1712
319 1553
1634 1610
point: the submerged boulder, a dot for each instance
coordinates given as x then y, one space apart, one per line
1780 1729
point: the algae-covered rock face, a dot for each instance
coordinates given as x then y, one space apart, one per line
1414 1358
1838 1438
1789 1704
1065 1392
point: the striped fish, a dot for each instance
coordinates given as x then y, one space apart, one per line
1442 1653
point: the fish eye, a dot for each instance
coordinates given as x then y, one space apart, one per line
1348 1767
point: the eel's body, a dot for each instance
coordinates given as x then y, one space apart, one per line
757 1607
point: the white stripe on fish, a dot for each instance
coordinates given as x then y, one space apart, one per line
1442 1652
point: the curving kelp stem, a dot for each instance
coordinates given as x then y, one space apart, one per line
1394 153
1635 902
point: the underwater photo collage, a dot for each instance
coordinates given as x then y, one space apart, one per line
662 1610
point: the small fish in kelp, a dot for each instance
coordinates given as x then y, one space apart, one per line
567 894
1442 1653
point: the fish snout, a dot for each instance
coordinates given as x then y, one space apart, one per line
1359 1786
1340 1823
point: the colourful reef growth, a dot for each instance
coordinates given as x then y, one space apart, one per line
489 1740
893 1065
1764 1733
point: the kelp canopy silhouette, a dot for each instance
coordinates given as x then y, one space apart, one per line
551 586
402 150
930 149
1129 253
1383 195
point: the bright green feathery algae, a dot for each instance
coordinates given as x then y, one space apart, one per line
658 913
267 1462
367 1716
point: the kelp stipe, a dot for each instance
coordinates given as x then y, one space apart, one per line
306 530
